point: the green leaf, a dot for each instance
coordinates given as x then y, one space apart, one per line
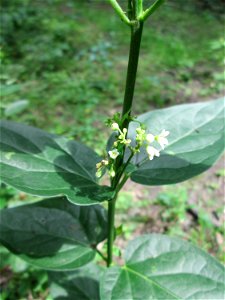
53 234
82 283
196 141
16 107
160 267
43 164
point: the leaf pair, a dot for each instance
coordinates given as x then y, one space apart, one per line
56 235
156 267
47 165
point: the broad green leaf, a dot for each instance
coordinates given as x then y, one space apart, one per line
196 141
43 164
160 267
82 283
16 107
53 234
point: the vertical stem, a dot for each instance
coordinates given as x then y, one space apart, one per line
136 33
129 10
135 42
111 218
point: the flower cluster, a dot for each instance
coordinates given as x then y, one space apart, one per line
142 139
122 135
162 141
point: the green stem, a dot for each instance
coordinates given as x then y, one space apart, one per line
100 254
122 171
140 7
111 234
122 182
150 10
135 42
119 11
129 10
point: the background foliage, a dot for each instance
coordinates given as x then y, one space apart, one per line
65 60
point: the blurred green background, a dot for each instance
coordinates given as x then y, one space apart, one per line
63 67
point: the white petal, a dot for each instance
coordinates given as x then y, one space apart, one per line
114 153
162 141
157 153
150 138
152 152
164 133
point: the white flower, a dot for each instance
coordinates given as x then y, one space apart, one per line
152 152
114 153
161 138
150 138
115 126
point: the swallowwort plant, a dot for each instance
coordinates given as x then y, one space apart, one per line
61 233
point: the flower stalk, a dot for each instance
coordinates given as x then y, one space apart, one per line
117 167
135 42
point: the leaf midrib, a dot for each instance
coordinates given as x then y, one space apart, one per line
55 172
152 282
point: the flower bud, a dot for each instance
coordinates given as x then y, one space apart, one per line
124 130
112 173
98 174
99 165
115 126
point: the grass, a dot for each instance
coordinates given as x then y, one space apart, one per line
71 66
